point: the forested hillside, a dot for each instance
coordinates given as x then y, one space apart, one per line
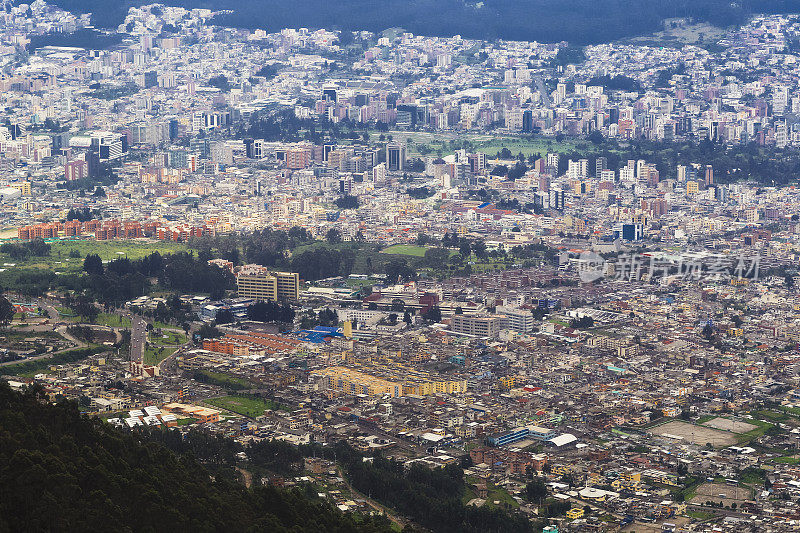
61 471
577 21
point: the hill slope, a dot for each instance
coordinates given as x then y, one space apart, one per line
62 471
577 21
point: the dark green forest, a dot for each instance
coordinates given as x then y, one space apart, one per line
62 471
576 21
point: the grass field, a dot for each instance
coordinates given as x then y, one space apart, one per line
440 142
405 249
786 460
59 259
155 354
222 379
113 321
528 147
700 515
759 431
245 405
167 338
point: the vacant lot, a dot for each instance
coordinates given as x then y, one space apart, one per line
730 425
695 434
722 492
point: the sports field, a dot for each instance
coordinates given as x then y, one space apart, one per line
730 425
722 493
244 405
695 434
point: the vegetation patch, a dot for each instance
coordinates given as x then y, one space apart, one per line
248 406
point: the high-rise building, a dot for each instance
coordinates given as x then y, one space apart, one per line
259 283
527 121
477 162
395 156
379 174
600 164
557 199
477 325
682 174
709 175
297 158
75 170
652 177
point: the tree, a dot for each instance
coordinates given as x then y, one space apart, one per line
464 248
220 82
536 490
333 236
398 269
582 323
479 249
270 312
224 316
208 331
407 318
93 265
7 311
433 315
347 202
707 331
596 137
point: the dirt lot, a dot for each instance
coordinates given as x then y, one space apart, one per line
695 434
712 491
730 425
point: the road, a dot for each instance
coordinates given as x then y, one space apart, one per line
168 364
542 90
372 503
63 331
138 338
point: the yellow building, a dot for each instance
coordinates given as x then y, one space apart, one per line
631 480
395 380
23 186
508 382
691 187
575 513
349 381
259 283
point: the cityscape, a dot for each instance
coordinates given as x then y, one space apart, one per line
317 279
